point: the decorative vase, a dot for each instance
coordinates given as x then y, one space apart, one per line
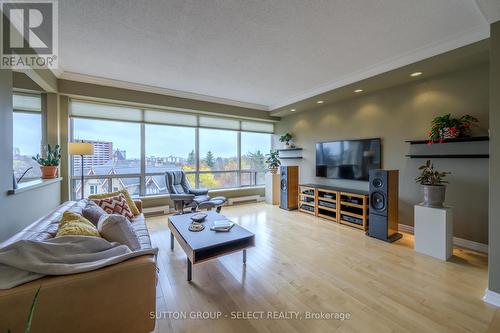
449 133
49 172
434 195
273 170
287 144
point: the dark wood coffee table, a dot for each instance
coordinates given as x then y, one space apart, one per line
207 244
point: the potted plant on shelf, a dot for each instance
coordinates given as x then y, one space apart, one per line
286 138
433 185
49 166
447 127
272 161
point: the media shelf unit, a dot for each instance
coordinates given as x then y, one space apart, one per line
340 205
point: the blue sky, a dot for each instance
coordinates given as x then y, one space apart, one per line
27 133
167 140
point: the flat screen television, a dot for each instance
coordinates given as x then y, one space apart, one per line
347 159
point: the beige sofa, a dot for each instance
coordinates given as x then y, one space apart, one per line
117 298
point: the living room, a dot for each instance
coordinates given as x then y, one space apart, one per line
346 182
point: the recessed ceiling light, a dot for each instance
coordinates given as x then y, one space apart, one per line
293 110
416 74
358 90
320 102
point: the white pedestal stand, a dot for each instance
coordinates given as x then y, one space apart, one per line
272 188
434 231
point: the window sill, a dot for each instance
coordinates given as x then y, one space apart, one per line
33 184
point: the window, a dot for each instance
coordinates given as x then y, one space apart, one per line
117 153
254 147
93 189
167 148
134 152
218 152
27 134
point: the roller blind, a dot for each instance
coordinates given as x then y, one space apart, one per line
105 111
170 118
257 126
23 102
217 122
119 112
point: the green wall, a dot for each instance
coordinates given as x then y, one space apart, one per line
494 222
398 114
21 209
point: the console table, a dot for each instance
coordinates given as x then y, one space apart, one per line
340 205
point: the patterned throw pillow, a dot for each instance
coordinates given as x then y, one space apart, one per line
115 205
130 202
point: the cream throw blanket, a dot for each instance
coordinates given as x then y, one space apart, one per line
28 260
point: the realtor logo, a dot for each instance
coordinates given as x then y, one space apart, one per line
29 34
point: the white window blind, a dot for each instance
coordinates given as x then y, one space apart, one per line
119 112
22 102
257 126
216 122
105 111
170 118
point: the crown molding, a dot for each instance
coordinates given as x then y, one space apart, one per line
474 35
156 90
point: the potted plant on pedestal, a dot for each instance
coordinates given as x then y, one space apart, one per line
272 161
286 138
49 165
447 127
433 185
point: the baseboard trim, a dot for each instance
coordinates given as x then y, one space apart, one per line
465 243
257 198
158 210
492 298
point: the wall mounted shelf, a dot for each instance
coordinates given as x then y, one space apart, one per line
289 149
473 147
450 156
290 153
471 139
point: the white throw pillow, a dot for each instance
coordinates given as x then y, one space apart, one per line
117 228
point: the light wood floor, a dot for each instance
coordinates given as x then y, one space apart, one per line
302 263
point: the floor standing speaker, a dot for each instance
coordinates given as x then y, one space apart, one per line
384 197
289 187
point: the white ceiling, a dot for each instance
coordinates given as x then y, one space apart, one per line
259 53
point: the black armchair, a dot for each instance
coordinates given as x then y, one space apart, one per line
183 195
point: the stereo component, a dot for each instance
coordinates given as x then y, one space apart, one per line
383 209
289 187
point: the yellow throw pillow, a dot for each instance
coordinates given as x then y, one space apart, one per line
70 216
128 198
77 228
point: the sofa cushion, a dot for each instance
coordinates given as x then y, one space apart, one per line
117 228
141 231
115 205
93 212
133 208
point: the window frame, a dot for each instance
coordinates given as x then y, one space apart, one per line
144 176
43 120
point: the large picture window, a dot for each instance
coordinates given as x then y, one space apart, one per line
254 147
136 151
27 134
117 155
168 148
